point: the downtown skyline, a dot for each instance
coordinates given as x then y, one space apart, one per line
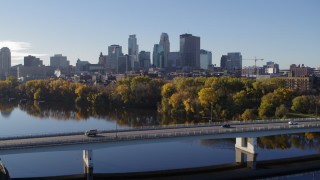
286 32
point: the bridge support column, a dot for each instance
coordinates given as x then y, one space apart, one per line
88 164
246 147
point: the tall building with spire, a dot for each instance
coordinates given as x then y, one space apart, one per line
5 61
133 51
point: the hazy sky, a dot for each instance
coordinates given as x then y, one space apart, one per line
283 31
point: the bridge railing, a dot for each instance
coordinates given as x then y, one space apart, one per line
113 137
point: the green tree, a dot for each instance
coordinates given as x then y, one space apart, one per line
300 104
248 114
281 111
268 106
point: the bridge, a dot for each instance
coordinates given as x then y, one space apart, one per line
246 134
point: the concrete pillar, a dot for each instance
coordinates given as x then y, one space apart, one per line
246 147
88 164
239 156
247 144
252 160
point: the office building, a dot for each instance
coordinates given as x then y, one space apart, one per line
271 68
32 61
223 62
133 51
124 64
164 42
190 51
5 62
174 60
82 66
114 52
59 61
205 59
144 60
158 56
231 62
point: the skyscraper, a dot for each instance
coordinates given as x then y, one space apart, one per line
164 42
133 51
5 61
190 51
158 56
114 52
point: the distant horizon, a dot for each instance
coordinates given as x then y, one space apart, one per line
285 32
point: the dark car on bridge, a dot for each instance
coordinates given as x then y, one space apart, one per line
92 132
225 125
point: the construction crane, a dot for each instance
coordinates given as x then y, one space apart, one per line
255 64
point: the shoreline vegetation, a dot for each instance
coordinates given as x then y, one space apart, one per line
185 99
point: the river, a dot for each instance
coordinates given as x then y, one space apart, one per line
35 118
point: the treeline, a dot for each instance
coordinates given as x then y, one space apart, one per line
222 98
132 92
234 98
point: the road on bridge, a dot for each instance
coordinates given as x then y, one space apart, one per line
150 133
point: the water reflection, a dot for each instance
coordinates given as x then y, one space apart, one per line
6 109
308 140
123 116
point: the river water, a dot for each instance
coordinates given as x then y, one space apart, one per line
36 119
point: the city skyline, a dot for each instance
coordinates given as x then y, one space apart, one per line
286 32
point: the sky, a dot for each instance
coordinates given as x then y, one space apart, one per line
284 31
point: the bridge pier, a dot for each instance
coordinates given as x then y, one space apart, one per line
246 147
88 164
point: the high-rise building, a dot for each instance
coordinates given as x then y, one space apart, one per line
124 64
164 42
174 60
144 59
223 62
232 62
190 51
205 59
114 52
133 51
158 56
32 61
59 61
235 62
5 61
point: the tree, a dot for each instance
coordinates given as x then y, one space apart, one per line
207 96
248 114
300 104
281 111
167 90
268 106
